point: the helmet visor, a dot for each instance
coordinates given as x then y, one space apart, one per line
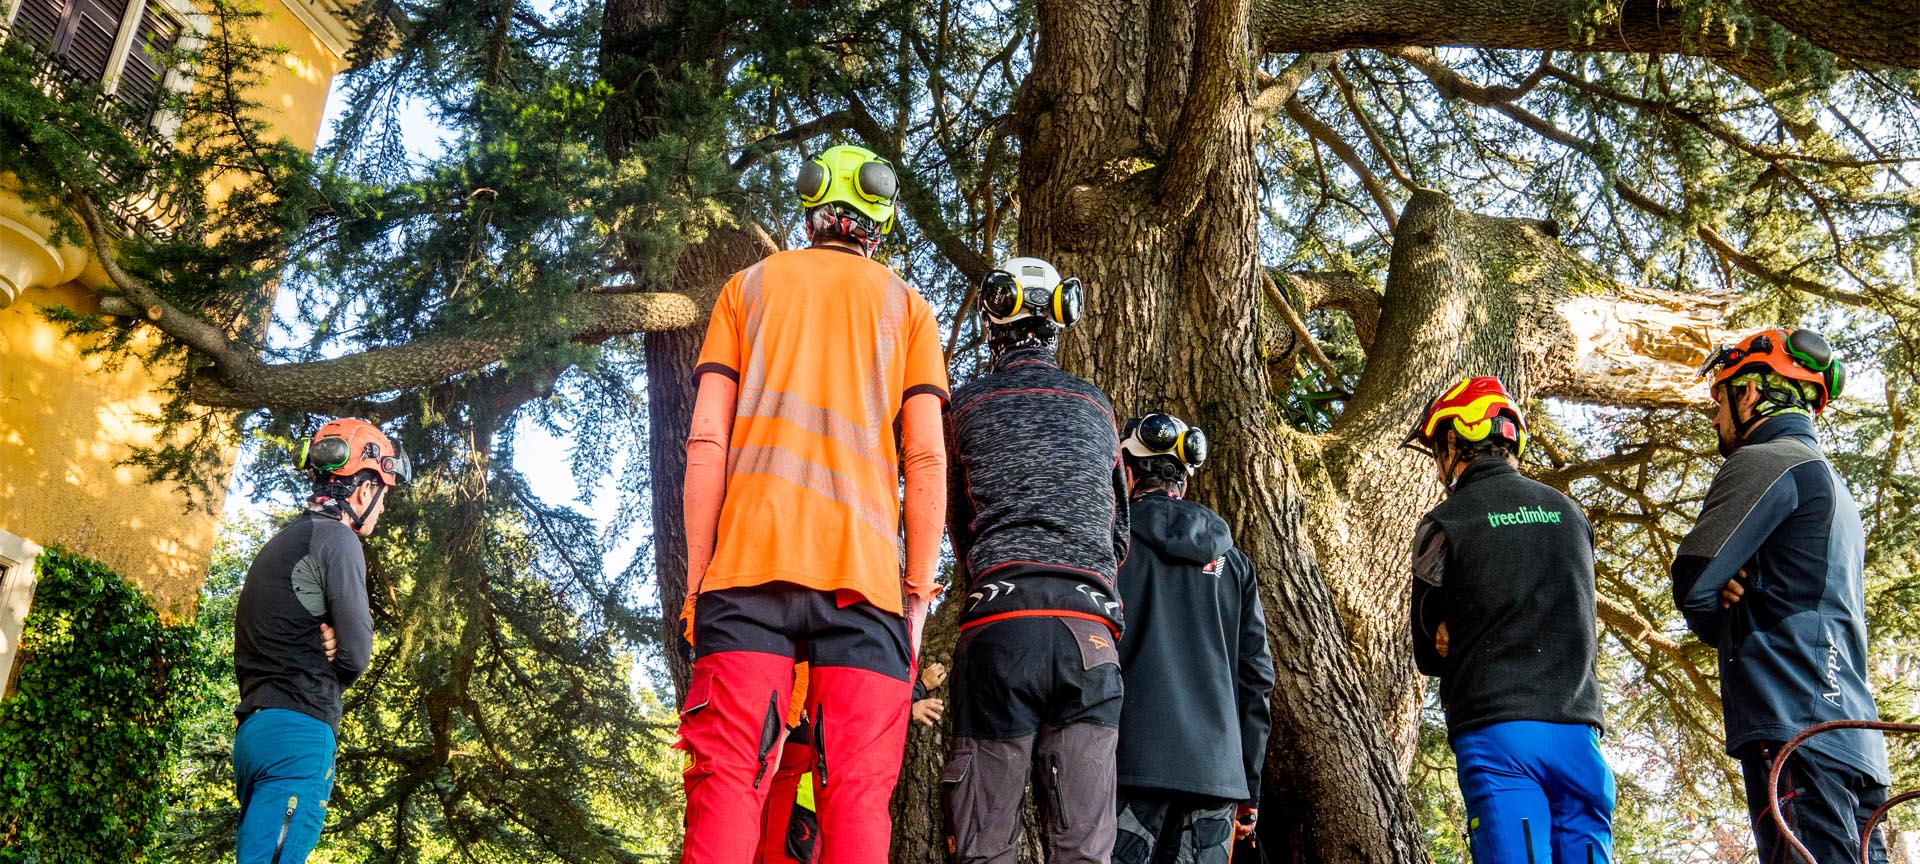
398 464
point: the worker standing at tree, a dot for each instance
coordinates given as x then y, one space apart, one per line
1193 731
1038 518
1503 613
813 359
302 634
1771 575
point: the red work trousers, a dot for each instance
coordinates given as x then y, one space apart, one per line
747 641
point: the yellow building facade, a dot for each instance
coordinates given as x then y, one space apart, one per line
66 420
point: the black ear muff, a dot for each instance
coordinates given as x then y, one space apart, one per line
326 454
1193 447
1836 379
812 182
875 181
1069 299
1000 294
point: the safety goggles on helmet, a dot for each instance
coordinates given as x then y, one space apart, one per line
1162 434
1029 287
1800 355
1475 409
854 176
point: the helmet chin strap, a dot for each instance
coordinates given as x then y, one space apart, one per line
359 518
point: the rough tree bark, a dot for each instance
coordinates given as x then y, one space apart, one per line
1137 174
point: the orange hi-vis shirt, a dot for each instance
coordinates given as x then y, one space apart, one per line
826 346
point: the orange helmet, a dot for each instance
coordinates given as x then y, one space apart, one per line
1477 408
1798 355
348 446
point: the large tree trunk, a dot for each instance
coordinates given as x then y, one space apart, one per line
1170 258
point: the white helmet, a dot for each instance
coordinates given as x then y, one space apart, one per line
1027 288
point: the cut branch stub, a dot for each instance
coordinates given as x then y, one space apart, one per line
1638 347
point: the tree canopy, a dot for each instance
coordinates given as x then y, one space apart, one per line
1295 221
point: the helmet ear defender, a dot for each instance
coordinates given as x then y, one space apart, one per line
1004 299
811 185
324 454
1162 434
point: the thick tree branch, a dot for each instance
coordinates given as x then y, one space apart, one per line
1637 26
1341 292
1876 32
238 379
1222 67
1275 91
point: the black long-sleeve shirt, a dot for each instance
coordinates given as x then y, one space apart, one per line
1036 495
310 573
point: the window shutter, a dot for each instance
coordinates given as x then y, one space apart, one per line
85 39
146 68
38 20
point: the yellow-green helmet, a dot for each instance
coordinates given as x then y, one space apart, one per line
854 176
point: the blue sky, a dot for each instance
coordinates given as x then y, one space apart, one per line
540 457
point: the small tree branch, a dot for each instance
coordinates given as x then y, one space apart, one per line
1301 332
1326 135
1373 135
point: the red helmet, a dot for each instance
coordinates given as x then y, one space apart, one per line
1476 408
1798 355
349 445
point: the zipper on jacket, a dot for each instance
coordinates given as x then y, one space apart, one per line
769 735
293 801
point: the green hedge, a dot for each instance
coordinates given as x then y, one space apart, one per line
88 741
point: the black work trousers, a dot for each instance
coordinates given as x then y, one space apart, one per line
1033 698
1825 803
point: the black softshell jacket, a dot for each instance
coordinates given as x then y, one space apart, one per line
1198 672
1036 496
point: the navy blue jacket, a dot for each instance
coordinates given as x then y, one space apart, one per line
1793 651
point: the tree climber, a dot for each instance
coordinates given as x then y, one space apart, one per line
1038 518
1193 731
302 634
793 521
1503 613
1771 575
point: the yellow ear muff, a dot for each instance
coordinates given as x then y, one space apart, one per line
1473 431
1019 300
1059 316
1180 447
812 184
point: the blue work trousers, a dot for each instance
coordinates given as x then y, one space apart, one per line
1536 793
282 773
